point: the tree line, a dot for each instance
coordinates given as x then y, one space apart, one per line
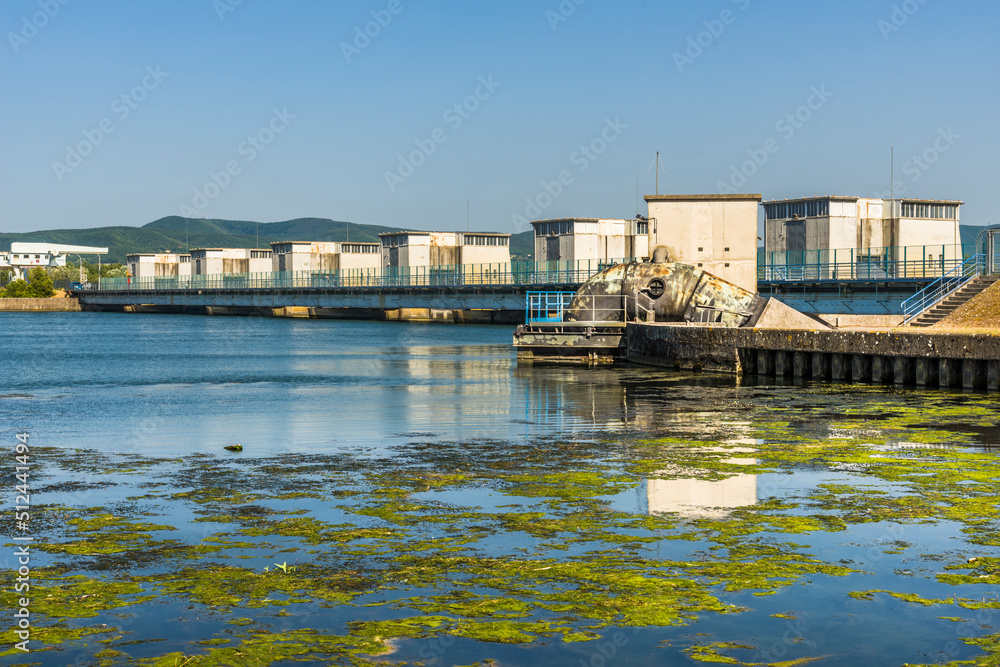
41 281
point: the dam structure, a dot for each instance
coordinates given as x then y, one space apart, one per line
479 293
679 317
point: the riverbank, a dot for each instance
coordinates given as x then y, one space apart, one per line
52 305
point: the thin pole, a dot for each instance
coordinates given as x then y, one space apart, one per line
657 172
348 226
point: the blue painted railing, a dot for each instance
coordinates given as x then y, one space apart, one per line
870 264
943 287
547 306
486 275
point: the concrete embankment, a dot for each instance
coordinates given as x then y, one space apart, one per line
39 305
919 357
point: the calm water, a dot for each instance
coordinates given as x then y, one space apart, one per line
538 515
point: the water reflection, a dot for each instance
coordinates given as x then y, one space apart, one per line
698 498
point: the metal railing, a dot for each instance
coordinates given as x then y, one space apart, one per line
512 273
943 287
551 308
885 263
547 306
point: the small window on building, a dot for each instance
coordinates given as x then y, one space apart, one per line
700 265
727 265
701 250
727 250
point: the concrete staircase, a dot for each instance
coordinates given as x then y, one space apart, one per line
949 304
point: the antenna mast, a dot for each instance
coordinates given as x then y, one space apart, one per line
657 172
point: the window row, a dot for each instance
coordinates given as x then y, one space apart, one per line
359 248
554 228
469 239
930 211
801 209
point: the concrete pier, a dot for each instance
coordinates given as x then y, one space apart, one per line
902 358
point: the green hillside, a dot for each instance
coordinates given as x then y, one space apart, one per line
178 234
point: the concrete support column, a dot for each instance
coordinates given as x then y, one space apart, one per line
973 376
861 368
950 373
993 375
879 374
923 371
903 371
802 369
820 366
838 369
763 363
780 363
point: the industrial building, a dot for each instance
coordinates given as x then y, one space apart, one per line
402 250
332 256
158 265
586 239
215 261
874 228
716 233
25 256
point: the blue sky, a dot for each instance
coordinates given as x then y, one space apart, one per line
256 110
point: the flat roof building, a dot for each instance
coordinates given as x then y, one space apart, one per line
716 233
158 265
870 226
216 261
324 256
437 249
24 256
588 239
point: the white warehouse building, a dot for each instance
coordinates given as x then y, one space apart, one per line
329 256
158 265
586 239
436 249
869 226
215 261
26 256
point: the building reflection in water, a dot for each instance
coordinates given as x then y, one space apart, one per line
694 498
647 401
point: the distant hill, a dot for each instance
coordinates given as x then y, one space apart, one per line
178 234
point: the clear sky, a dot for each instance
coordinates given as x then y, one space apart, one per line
264 110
